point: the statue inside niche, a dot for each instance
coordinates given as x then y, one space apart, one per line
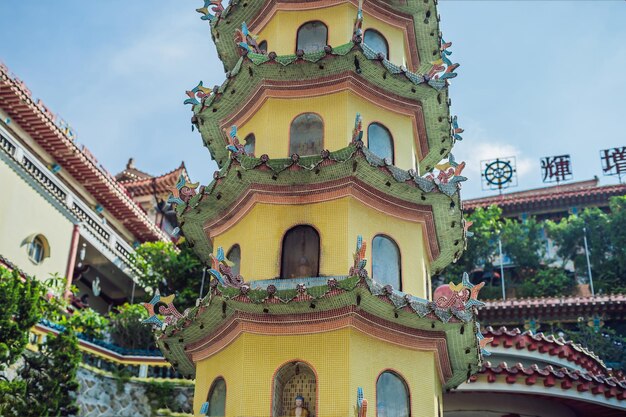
299 410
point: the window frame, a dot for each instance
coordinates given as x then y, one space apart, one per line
393 142
323 132
282 250
404 382
228 254
379 33
212 387
392 240
298 35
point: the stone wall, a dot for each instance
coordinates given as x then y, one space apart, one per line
106 396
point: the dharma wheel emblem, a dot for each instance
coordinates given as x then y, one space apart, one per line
499 173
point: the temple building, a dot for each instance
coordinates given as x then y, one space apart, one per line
336 199
62 212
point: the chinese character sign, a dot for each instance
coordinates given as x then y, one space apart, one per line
614 161
498 173
556 168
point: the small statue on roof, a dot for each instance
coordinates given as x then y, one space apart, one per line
183 191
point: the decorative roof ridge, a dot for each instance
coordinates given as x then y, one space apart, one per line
62 130
550 371
565 300
447 181
138 181
518 343
546 193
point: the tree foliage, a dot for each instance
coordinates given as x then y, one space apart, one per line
606 239
162 266
44 383
22 307
604 342
128 331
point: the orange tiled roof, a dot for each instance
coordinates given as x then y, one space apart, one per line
580 193
139 183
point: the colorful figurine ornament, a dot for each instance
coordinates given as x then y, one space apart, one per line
443 68
197 93
246 40
361 403
447 181
214 6
456 130
234 146
483 341
204 410
358 268
221 270
183 191
152 318
357 132
357 32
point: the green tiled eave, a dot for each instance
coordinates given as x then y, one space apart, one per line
462 344
237 89
423 12
239 175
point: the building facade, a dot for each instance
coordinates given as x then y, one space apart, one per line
62 212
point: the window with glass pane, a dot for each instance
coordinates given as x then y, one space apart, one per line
376 41
312 37
217 398
234 255
306 135
35 250
249 144
386 262
301 253
392 396
380 141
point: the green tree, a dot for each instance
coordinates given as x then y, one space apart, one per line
44 384
162 266
128 331
604 342
47 380
22 307
482 245
523 243
606 241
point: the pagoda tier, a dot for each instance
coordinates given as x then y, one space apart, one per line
330 137
263 92
344 330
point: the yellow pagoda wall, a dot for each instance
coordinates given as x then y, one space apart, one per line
260 232
271 124
24 212
280 32
349 360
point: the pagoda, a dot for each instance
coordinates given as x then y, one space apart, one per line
336 199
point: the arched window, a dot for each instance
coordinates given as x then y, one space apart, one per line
37 247
380 141
392 396
306 135
312 37
301 253
234 255
249 144
294 379
375 40
217 398
386 266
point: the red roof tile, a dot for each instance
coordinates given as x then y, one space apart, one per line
581 193
148 185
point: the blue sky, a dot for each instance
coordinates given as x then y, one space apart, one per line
536 78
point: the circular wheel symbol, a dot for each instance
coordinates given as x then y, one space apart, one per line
498 173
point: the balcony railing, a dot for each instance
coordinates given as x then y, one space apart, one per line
91 221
